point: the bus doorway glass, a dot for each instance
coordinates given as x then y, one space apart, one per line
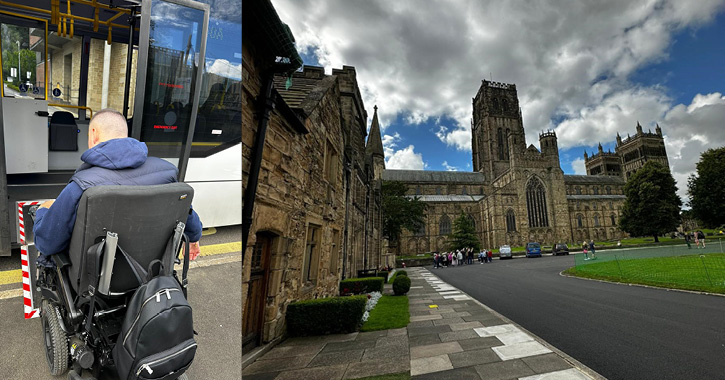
23 57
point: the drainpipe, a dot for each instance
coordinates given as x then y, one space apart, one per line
256 162
367 217
347 216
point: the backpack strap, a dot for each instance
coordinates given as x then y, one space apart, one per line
185 271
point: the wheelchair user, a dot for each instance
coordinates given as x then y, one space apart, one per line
113 158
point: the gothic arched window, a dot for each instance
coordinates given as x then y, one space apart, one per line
609 190
596 191
417 190
444 227
464 191
578 190
579 222
510 221
596 220
499 136
438 190
614 220
536 203
472 220
494 106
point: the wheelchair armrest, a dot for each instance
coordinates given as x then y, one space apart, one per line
61 259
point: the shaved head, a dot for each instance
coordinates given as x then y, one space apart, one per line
106 124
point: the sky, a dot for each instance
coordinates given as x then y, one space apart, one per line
584 69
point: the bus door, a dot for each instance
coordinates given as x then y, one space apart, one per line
172 43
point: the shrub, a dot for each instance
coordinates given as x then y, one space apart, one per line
384 275
361 285
401 285
333 315
401 272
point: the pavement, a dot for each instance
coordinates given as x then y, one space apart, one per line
214 294
619 331
450 336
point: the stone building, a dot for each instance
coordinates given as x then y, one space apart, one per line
517 193
312 186
629 154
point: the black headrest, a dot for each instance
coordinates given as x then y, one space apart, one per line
62 117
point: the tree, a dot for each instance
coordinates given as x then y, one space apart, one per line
464 234
400 211
707 188
652 207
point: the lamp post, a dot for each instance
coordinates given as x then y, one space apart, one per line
18 63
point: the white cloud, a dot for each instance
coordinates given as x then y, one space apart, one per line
449 167
224 68
405 159
579 167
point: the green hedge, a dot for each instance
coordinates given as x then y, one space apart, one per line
361 285
401 285
335 315
401 272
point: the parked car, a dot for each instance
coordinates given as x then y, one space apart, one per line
560 249
504 252
533 250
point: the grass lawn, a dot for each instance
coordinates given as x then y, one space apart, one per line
691 272
391 312
395 376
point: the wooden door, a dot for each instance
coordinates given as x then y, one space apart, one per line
253 318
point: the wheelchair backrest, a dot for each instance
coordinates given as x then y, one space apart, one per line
143 217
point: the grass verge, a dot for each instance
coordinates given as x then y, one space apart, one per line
394 376
391 312
705 273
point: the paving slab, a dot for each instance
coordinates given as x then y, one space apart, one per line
398 332
307 340
429 317
467 373
475 343
420 324
568 374
424 340
457 335
434 350
428 330
448 321
465 325
492 331
375 368
346 346
473 357
289 351
334 358
514 338
320 373
399 340
260 376
430 364
513 369
545 363
371 335
386 352
520 350
276 365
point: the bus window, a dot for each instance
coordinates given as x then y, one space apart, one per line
64 72
107 75
219 120
23 54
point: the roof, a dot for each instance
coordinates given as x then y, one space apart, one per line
594 197
274 36
432 176
375 144
305 93
593 179
448 198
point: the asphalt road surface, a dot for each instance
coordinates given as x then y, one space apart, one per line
620 331
215 296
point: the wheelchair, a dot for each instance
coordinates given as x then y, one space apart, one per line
80 325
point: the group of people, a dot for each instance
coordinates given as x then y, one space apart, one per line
460 257
699 238
588 248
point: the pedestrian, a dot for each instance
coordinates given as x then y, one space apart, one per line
701 236
444 259
687 240
591 249
435 260
696 234
584 249
619 244
460 257
470 255
489 254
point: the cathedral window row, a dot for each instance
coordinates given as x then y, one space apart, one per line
510 221
536 204
444 227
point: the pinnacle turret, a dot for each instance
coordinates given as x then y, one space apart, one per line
375 142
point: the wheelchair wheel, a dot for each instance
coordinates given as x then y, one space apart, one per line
56 342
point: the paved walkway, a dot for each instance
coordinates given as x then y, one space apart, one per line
450 336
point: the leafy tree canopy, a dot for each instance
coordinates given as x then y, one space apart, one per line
464 234
652 206
707 188
400 211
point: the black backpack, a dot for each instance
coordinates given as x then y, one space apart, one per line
157 334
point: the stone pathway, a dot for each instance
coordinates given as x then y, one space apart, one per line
450 336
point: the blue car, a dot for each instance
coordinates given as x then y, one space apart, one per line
533 250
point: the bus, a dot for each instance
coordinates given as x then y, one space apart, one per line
172 67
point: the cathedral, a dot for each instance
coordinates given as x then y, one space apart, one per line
518 193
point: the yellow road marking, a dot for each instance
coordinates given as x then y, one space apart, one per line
13 276
217 249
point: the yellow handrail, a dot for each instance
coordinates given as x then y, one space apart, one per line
70 106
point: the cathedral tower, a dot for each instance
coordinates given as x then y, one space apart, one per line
496 115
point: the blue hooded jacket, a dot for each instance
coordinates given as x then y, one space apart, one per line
108 163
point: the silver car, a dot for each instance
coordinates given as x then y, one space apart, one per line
504 252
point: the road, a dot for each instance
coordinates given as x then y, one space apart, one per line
214 294
620 331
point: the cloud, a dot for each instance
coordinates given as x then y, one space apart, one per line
449 167
224 68
578 166
405 159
